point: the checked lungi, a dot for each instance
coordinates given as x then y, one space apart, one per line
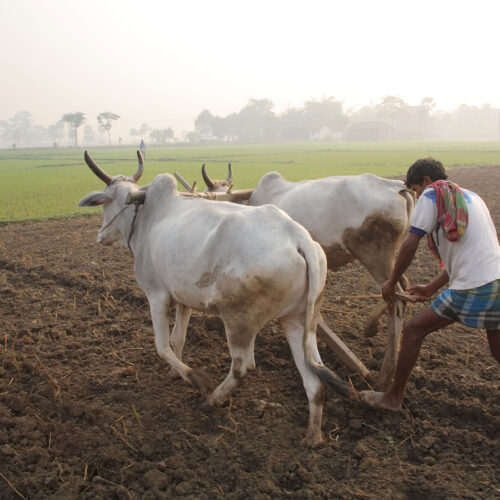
477 307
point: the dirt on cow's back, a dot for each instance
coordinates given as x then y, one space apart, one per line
88 410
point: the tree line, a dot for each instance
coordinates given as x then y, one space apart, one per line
20 130
325 119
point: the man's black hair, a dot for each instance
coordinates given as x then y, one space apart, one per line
425 166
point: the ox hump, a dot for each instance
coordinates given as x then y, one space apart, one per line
163 185
271 177
268 189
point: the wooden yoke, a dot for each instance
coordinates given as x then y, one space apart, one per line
235 196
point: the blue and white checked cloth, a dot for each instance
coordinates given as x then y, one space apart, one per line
477 307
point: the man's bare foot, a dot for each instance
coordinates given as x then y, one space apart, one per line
376 400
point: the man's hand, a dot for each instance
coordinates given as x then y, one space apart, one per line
421 292
389 292
406 253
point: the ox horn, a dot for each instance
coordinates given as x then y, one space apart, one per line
140 170
209 182
230 174
106 178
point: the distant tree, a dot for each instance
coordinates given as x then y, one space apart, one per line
290 125
161 136
422 118
204 122
74 120
363 114
216 126
475 122
325 113
230 127
89 136
140 132
394 110
105 120
256 121
56 131
20 128
4 127
428 103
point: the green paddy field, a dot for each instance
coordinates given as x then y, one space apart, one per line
37 184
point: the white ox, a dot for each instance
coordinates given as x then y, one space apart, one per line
249 264
361 217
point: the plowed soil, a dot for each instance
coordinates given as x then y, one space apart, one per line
88 410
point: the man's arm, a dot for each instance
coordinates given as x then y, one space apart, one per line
405 256
431 288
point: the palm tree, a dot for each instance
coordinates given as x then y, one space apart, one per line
74 120
105 118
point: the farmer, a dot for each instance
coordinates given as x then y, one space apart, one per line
461 233
142 148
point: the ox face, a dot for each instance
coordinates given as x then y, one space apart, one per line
218 186
116 213
109 232
213 186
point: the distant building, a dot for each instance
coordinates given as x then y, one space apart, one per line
325 134
207 137
368 131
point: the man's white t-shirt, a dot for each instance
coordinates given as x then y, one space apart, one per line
472 261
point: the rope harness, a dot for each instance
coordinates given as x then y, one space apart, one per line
132 226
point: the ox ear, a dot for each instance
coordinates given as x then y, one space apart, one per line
94 198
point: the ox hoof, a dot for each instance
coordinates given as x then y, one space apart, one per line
172 374
312 441
213 401
371 329
372 378
202 381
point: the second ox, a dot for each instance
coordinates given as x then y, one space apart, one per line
249 264
360 217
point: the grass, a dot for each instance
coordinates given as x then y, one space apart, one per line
45 183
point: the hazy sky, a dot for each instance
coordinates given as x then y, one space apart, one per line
162 62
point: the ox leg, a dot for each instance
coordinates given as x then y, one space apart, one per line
371 327
159 316
394 326
241 342
178 338
294 330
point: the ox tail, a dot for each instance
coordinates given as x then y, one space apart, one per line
333 382
316 274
